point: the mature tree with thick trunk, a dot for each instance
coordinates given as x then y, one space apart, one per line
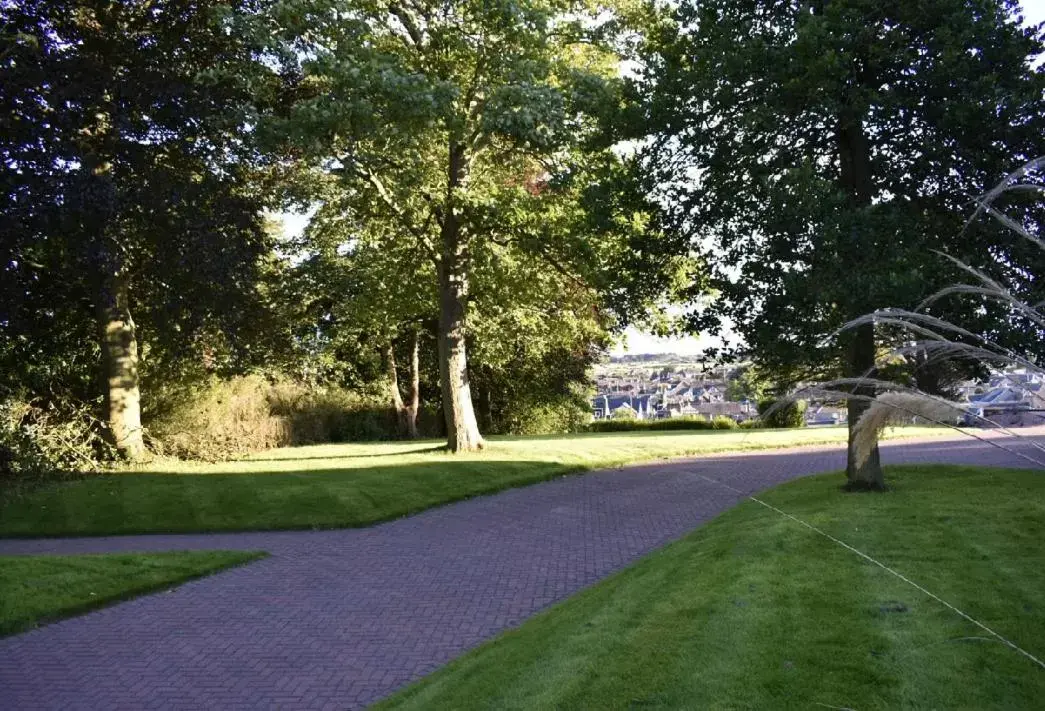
127 199
819 151
533 331
119 346
458 128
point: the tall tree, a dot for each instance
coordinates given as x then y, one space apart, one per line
360 284
533 331
461 123
126 178
820 149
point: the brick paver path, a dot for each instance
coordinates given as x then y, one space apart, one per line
338 619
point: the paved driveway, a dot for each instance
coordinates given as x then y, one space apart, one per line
339 619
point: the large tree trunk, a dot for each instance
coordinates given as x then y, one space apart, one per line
93 204
119 347
866 476
855 176
462 430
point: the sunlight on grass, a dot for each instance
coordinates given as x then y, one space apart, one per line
43 588
580 450
343 485
753 611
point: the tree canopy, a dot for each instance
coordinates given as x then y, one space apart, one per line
820 151
471 136
495 190
132 225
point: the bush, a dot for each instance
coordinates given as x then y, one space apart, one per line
220 420
38 441
330 414
721 422
230 418
782 413
560 416
671 423
752 424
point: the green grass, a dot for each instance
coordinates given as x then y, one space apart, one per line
332 486
39 589
754 611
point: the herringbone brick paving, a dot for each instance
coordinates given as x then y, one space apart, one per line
339 619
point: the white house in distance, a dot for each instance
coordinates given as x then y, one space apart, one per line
1012 398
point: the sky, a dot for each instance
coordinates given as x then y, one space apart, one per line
1034 11
635 341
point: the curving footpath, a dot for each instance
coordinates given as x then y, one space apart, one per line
340 619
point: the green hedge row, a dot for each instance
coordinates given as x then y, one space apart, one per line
671 423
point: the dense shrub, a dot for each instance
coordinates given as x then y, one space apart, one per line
330 414
783 413
721 422
38 440
220 420
752 424
229 418
562 415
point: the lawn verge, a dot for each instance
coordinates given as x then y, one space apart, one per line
755 611
348 485
35 590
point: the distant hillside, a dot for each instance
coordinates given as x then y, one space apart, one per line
654 358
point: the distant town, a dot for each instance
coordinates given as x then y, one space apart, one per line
660 386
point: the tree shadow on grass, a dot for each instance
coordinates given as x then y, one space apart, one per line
349 497
394 453
180 502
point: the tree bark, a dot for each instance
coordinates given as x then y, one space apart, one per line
413 395
855 177
92 204
393 388
866 476
462 430
119 346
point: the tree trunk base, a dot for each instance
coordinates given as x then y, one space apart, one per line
466 447
855 487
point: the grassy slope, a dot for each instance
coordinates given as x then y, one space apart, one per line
39 589
345 485
755 611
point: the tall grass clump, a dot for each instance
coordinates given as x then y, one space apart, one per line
937 340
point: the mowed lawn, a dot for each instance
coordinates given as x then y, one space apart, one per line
345 485
753 611
39 589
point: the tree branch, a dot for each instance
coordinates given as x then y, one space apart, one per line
409 23
386 197
544 255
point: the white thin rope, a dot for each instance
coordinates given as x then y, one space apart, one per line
884 567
